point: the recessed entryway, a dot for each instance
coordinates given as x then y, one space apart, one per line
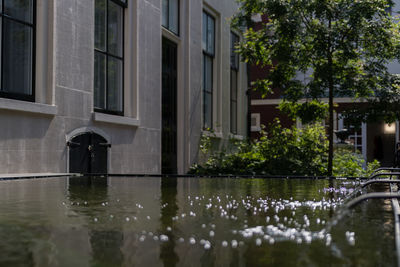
169 107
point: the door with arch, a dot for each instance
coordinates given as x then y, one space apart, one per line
88 153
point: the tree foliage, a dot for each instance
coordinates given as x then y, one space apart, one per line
384 107
343 47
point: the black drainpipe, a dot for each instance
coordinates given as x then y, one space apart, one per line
248 93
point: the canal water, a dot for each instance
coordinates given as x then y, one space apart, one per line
123 221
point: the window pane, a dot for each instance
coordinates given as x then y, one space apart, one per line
211 35
173 16
204 40
207 110
165 13
1 73
234 55
100 25
207 91
17 61
114 83
115 16
233 84
253 121
19 9
99 80
232 51
208 75
234 117
204 66
237 61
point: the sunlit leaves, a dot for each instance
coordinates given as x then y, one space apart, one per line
263 86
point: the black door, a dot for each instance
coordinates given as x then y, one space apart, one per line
169 108
88 154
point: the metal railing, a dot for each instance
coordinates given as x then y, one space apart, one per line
394 195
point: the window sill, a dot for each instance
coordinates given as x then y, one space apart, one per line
255 128
236 137
114 119
29 107
170 35
213 134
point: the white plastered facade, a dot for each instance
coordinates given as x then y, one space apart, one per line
33 135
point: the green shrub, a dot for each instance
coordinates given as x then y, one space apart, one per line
282 151
348 164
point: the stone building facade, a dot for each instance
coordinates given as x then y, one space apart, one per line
116 85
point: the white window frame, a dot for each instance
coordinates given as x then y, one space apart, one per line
131 116
217 70
44 64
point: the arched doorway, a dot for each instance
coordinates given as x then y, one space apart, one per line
88 153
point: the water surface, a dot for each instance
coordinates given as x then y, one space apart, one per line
117 221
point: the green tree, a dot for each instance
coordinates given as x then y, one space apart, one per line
343 46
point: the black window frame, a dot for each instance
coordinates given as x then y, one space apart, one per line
11 95
210 55
107 54
234 63
168 19
123 3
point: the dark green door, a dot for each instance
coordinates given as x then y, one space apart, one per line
169 107
88 153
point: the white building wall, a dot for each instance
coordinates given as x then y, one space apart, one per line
222 11
33 136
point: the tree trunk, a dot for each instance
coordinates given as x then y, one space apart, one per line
331 87
330 129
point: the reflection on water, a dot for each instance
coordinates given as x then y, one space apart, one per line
92 221
105 243
169 209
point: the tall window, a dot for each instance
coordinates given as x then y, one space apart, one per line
17 46
234 82
355 134
170 15
208 44
109 56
